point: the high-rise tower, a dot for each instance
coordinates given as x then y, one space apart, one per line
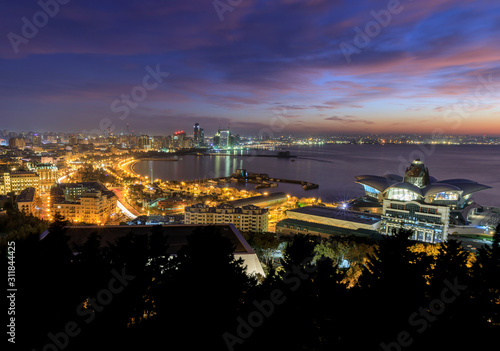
197 134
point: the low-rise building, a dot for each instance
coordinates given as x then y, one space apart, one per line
248 218
290 227
341 218
272 199
26 201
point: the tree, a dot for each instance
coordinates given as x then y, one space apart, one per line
486 281
264 244
391 287
203 281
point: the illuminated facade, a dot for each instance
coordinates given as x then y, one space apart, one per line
418 201
197 135
47 173
223 139
428 222
18 181
17 143
180 140
88 202
246 218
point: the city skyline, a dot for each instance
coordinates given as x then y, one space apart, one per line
250 174
312 67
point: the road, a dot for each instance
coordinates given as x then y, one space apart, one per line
128 210
469 243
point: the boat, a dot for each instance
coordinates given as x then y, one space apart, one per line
309 186
274 185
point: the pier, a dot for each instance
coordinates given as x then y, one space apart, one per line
261 179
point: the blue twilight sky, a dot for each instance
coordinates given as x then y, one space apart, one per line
289 66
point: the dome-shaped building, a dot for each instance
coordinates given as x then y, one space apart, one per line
418 201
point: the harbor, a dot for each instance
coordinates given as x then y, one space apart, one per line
262 180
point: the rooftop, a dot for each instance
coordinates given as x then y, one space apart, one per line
341 214
176 235
58 195
326 229
254 200
225 206
417 180
27 195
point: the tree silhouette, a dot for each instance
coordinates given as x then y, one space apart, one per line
201 283
391 287
189 300
486 282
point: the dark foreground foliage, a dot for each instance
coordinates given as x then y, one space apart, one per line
129 296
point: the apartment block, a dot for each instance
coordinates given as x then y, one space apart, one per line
18 181
87 202
246 218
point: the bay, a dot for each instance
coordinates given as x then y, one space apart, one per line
334 166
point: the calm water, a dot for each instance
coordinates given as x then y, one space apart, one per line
333 167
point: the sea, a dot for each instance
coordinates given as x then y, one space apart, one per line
334 166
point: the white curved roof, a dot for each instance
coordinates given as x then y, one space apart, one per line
394 177
382 184
376 182
436 188
466 185
452 181
407 186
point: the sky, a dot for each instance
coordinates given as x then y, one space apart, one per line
274 67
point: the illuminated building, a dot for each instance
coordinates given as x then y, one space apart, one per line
180 140
145 142
223 139
17 143
197 134
18 181
290 227
418 201
37 140
272 199
246 218
335 217
88 202
26 201
48 175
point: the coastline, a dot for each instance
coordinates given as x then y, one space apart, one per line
334 167
131 168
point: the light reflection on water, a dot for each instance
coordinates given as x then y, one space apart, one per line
333 167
